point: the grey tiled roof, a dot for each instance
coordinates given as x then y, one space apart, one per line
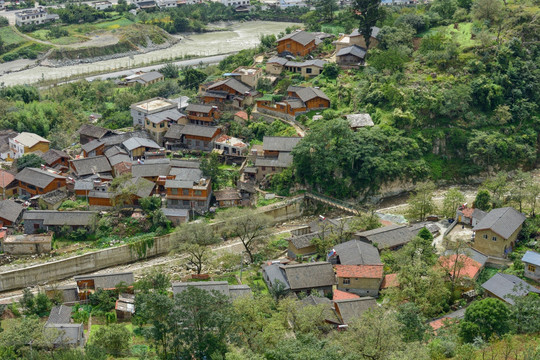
175 212
283 160
354 50
137 142
233 84
174 132
108 281
277 60
280 143
93 131
388 236
310 275
531 257
220 286
70 334
10 210
60 218
374 32
301 37
505 285
503 221
352 309
274 273
307 93
91 165
92 145
303 241
315 62
356 252
37 177
200 130
150 170
359 120
52 155
60 314
201 108
150 76
169 114
186 174
120 138
181 163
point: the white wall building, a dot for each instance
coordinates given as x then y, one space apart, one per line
167 3
140 110
101 5
35 16
235 3
289 3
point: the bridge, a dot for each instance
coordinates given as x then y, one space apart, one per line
335 203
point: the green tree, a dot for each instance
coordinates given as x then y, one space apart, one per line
497 186
452 199
525 314
249 226
421 203
154 280
170 71
485 318
482 200
193 239
489 10
326 8
210 167
413 322
29 160
28 333
520 187
115 339
192 78
330 70
368 13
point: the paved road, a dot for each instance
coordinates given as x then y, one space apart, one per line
192 62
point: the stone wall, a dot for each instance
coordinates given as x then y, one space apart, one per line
62 269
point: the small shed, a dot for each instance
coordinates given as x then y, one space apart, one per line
228 198
531 259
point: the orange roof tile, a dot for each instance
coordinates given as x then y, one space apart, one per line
467 212
6 178
360 271
242 115
439 323
390 280
470 268
343 295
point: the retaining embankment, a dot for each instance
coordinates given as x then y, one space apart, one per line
97 260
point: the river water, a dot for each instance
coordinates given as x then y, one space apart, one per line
238 36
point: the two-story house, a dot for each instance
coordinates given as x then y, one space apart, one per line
140 110
27 143
229 90
276 155
199 114
249 76
157 124
198 137
356 38
298 43
363 280
298 101
187 194
137 147
496 234
33 181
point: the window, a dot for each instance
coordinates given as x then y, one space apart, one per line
288 46
174 191
494 238
273 168
263 168
162 125
346 281
485 236
185 202
185 191
198 192
531 268
308 70
36 226
147 122
153 125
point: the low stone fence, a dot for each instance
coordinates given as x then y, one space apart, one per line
275 113
42 274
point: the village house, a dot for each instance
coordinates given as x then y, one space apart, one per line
10 212
355 252
69 333
87 284
198 137
33 181
358 121
56 159
52 200
157 124
351 57
275 65
363 280
7 184
229 90
189 194
26 143
228 145
248 76
505 286
117 155
298 43
156 171
307 69
228 198
356 38
138 188
137 147
276 155
101 5
308 277
34 16
232 291
5 150
90 166
67 294
90 132
93 148
349 310
462 268
496 233
327 307
176 216
140 110
34 244
53 220
391 237
172 140
143 78
531 260
125 306
469 216
199 114
299 100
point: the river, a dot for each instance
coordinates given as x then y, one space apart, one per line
238 36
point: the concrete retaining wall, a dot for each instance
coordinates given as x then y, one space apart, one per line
275 113
62 269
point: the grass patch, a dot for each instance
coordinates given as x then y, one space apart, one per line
462 34
486 274
10 37
115 24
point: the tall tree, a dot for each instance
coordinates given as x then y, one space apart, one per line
193 239
485 318
521 184
421 203
452 200
210 168
115 339
250 227
482 200
326 8
368 13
